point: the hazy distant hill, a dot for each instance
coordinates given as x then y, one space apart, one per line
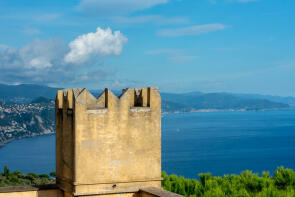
197 101
288 100
25 93
28 110
41 100
172 102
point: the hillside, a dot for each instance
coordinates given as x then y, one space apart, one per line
288 100
25 93
26 120
28 110
197 101
172 102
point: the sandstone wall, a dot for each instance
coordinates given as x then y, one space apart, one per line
108 144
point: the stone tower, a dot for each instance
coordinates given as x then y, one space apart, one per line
108 145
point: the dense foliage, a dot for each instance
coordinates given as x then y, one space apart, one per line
15 178
282 183
247 184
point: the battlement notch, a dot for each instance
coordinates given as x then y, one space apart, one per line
108 141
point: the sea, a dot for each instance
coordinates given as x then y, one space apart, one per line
201 142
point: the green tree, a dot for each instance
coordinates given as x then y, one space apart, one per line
6 171
53 174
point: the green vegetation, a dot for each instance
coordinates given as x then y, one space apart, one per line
17 178
247 184
282 183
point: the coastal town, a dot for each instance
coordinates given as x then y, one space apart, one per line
25 120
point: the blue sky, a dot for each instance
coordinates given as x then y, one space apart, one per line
242 46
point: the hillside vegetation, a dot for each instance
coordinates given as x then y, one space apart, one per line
17 178
247 184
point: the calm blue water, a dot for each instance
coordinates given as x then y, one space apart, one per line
216 142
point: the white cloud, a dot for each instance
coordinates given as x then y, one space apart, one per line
40 62
156 19
175 56
182 59
43 61
31 31
116 7
165 51
36 61
3 47
192 30
40 53
101 43
118 11
47 17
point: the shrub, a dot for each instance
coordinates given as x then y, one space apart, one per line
44 176
18 178
52 174
284 178
247 184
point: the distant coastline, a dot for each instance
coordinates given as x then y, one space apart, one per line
28 110
226 110
206 137
3 143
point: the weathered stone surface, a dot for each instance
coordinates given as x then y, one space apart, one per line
153 191
31 191
108 141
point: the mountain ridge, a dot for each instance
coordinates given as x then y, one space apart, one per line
28 110
26 93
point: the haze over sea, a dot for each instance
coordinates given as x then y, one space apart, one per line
192 143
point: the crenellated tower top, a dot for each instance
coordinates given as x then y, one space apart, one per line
108 144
